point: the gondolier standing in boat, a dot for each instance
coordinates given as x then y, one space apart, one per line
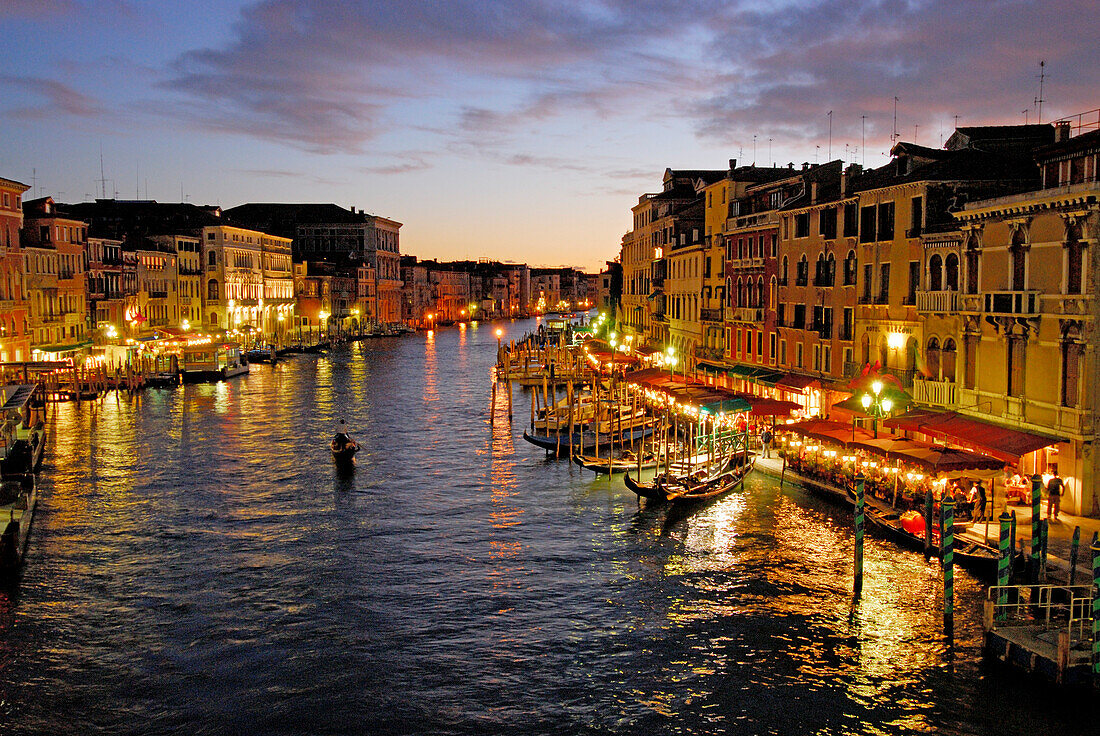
342 438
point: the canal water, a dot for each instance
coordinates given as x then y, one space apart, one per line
197 566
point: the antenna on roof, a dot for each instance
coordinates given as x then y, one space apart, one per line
1039 99
754 149
102 176
1024 112
770 159
894 136
915 126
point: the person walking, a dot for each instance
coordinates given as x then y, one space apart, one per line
765 442
1054 496
981 500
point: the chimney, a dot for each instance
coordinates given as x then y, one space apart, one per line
843 183
733 164
813 192
805 165
1061 131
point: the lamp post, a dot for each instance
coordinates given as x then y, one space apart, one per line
877 405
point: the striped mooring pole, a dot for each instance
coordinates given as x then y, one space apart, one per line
1044 536
1036 534
1074 547
1095 604
1012 562
857 585
928 524
947 509
1004 565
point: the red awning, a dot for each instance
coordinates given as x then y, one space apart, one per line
795 382
827 431
764 407
991 439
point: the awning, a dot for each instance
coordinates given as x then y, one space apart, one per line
932 458
796 382
991 439
764 407
854 404
63 348
827 430
755 373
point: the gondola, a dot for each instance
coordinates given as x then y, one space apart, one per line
696 493
622 464
583 440
344 448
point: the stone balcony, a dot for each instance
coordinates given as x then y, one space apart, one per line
937 302
935 393
711 314
1002 303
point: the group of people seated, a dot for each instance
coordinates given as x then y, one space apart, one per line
968 504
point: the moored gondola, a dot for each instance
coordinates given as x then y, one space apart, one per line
344 447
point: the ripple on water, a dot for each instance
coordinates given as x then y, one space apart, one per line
198 566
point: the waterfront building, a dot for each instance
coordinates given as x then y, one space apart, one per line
313 307
15 337
546 292
343 237
683 284
249 281
610 294
816 281
54 244
909 197
450 292
106 304
1009 317
366 299
416 293
157 297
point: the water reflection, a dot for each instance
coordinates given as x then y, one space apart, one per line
198 565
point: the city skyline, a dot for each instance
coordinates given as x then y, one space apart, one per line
517 133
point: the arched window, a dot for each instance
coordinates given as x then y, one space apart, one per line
850 268
729 292
771 296
783 273
947 359
214 318
802 274
1019 259
212 289
1071 368
760 292
935 273
951 272
932 358
1074 261
865 349
972 251
741 293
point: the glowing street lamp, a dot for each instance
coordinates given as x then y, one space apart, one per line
876 404
500 334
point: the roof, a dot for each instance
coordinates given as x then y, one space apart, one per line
134 219
1013 139
827 178
1085 142
282 218
961 165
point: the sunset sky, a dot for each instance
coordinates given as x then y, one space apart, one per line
514 130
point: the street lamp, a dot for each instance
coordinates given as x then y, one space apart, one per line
500 334
877 405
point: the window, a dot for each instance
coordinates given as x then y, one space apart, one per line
771 347
947 360
932 357
886 221
868 271
972 252
212 258
759 345
798 351
212 289
916 217
826 224
884 283
828 352
780 314
803 271
775 245
867 225
951 270
776 199
914 282
1018 250
799 321
1071 362
783 352
1074 260
1015 350
802 225
847 326
935 273
851 220
850 269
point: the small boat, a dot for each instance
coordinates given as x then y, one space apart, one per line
623 464
693 493
18 497
584 440
344 447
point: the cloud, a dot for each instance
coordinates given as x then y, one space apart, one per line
402 164
57 97
338 77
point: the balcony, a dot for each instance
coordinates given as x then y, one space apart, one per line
934 393
1069 304
1012 303
710 314
158 294
712 354
937 302
904 375
752 315
852 368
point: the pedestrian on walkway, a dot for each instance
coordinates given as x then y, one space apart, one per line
981 500
766 441
1054 496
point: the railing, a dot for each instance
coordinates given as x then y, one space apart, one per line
1069 303
748 314
710 314
1049 607
939 302
1016 303
866 299
937 393
904 375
